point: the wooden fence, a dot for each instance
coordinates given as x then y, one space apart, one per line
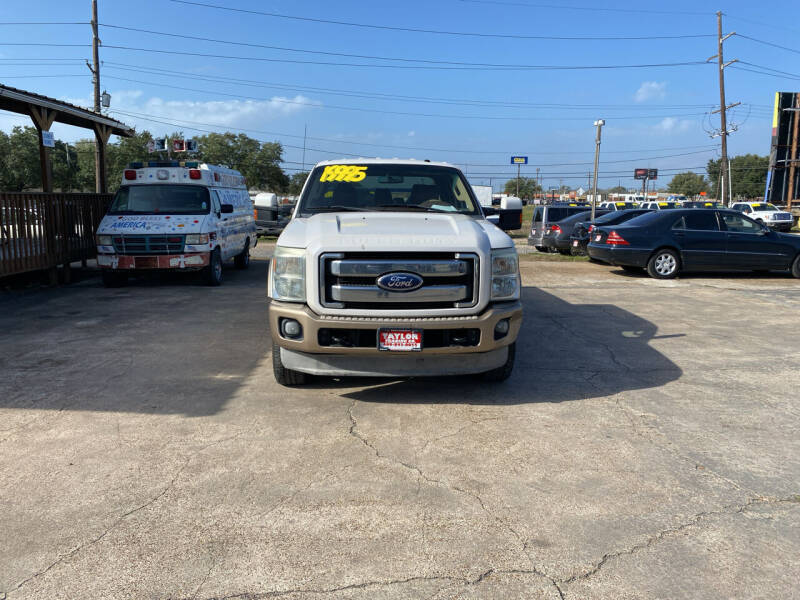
42 230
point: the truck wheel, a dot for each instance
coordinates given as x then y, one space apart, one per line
283 375
242 260
796 267
500 374
114 279
664 264
213 272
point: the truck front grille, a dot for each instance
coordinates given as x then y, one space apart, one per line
148 244
349 280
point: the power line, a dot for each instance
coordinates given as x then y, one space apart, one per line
388 97
44 23
427 31
752 39
585 8
391 66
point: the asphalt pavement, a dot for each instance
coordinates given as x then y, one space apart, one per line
645 447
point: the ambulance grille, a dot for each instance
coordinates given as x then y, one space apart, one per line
148 244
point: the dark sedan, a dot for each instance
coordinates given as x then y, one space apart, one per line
580 234
558 236
669 242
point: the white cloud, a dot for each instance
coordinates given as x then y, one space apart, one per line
673 125
651 90
412 133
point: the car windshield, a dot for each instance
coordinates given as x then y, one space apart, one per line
764 207
645 219
161 199
616 217
663 205
387 187
624 205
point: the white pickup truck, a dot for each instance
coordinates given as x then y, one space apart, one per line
389 268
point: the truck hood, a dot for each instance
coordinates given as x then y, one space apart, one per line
391 231
151 224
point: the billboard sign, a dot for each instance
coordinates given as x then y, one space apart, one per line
519 160
652 173
641 173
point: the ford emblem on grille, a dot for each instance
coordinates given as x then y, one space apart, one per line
399 282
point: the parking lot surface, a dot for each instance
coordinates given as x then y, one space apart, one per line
645 447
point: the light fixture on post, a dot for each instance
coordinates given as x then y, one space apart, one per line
599 124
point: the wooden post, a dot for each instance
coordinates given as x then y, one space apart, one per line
101 134
43 119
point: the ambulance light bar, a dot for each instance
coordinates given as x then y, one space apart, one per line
189 164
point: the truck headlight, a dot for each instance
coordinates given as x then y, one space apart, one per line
288 274
196 239
505 274
103 240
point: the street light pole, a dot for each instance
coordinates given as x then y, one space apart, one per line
599 124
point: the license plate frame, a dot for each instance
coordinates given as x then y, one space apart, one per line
146 262
410 341
598 237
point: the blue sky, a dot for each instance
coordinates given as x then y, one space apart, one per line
473 117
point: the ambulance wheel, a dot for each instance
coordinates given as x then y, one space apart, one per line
242 260
113 279
283 375
213 272
500 374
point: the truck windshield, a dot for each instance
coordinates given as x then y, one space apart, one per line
161 199
387 187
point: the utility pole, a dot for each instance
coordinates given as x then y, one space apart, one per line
519 166
99 148
724 171
599 124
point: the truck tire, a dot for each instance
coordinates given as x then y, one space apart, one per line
283 375
212 274
500 374
114 279
242 260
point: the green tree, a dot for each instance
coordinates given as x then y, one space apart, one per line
528 187
617 189
688 184
748 174
23 170
296 183
259 163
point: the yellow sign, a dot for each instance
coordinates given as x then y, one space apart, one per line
350 173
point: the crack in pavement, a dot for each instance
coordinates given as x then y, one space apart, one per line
353 431
124 516
673 531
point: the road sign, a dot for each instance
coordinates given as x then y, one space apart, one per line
519 160
641 173
178 145
581 191
48 139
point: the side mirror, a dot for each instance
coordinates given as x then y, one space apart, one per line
226 209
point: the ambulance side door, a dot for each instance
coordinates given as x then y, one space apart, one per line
222 224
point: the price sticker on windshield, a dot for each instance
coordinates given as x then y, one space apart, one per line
351 173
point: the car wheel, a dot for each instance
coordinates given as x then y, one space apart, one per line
283 375
796 267
113 279
242 260
541 249
500 374
213 272
664 264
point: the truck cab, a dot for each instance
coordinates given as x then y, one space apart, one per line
389 268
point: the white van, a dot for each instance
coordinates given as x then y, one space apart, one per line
170 215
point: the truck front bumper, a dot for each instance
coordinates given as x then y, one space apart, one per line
126 262
320 350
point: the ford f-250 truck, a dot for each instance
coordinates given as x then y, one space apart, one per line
389 268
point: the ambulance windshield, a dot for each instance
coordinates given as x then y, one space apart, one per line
387 187
161 199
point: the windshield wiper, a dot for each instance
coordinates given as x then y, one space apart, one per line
340 209
408 207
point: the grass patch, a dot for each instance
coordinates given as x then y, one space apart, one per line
527 217
542 257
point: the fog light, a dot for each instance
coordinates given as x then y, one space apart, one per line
291 329
501 329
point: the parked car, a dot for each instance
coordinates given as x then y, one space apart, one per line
660 205
667 243
580 234
557 237
702 204
545 216
618 205
768 214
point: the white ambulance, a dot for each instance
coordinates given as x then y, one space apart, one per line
171 215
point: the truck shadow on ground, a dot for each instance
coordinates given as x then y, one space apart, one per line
159 345
564 352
